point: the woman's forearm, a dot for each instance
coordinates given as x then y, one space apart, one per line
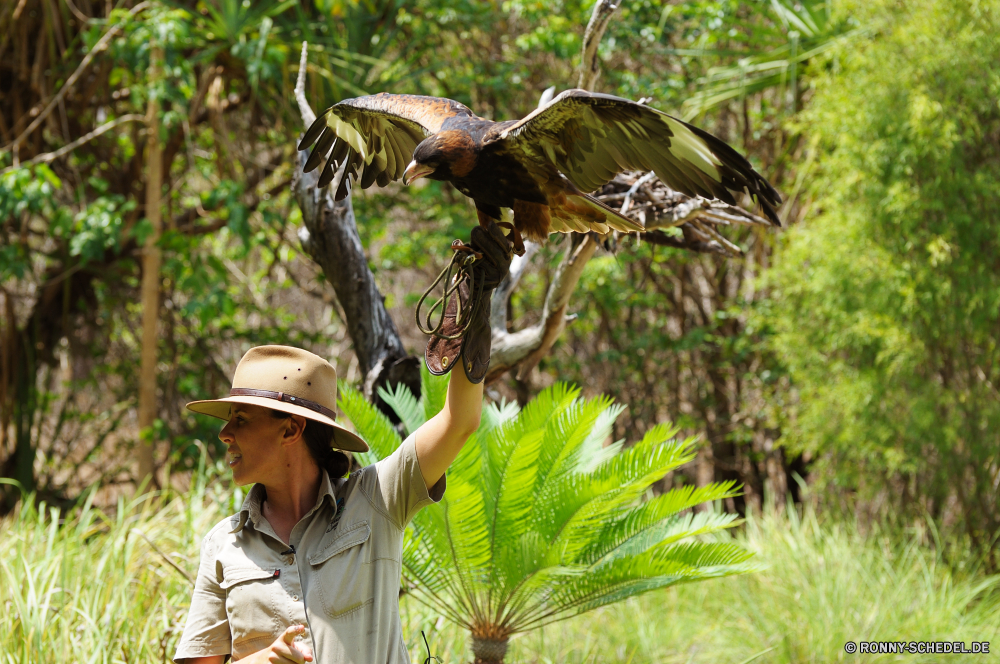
464 403
441 438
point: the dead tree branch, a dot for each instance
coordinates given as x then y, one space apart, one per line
330 236
101 44
590 67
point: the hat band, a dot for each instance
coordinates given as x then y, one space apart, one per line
281 396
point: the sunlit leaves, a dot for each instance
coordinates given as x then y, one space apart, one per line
887 300
541 521
99 227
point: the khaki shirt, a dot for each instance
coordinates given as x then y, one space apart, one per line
342 581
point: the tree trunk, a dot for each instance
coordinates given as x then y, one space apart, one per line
489 651
331 237
150 286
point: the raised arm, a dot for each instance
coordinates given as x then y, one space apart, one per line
441 438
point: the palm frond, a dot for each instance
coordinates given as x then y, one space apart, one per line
406 406
592 451
433 391
369 423
496 414
806 32
654 521
631 575
542 521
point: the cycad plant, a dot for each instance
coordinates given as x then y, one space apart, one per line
541 521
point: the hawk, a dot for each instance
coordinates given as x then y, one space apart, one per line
540 167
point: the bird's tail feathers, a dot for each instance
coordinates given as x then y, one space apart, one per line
612 217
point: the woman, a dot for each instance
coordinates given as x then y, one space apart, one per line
309 569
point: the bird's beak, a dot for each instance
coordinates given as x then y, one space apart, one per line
415 170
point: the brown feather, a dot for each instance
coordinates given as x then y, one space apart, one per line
532 220
589 137
459 149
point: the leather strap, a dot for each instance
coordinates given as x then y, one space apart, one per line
281 396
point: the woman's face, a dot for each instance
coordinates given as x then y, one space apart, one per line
253 438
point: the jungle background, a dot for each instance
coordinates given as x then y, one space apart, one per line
843 370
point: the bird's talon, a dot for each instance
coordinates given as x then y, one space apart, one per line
457 245
515 237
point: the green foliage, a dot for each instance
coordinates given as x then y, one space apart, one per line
886 302
24 192
87 585
542 522
232 272
776 53
822 584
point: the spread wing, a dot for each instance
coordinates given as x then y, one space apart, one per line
375 134
591 137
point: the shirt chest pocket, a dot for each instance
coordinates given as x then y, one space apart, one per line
342 571
250 603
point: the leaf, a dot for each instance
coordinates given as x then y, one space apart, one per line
369 423
433 391
540 522
405 405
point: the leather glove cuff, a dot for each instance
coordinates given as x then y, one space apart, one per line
476 284
441 354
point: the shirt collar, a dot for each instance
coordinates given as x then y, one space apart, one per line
251 509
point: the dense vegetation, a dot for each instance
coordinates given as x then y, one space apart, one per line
848 362
542 521
897 366
233 272
86 587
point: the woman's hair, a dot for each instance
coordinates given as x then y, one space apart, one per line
319 437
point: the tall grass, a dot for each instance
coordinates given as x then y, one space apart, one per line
95 586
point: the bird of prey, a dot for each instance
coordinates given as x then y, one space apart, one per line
540 167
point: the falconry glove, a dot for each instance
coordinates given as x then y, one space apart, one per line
463 332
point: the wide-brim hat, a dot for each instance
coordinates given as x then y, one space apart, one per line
288 379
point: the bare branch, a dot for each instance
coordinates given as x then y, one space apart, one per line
330 236
518 266
712 233
66 149
308 116
527 347
547 96
68 85
590 67
627 203
664 240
